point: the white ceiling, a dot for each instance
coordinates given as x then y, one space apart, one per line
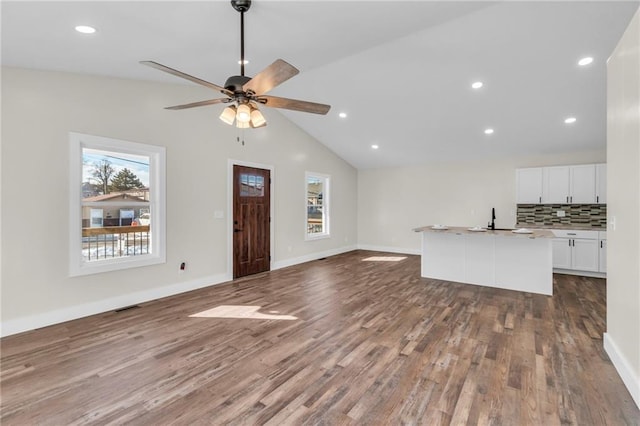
401 70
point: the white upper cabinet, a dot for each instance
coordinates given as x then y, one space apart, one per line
555 185
583 184
601 183
529 186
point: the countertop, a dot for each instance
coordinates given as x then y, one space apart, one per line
537 233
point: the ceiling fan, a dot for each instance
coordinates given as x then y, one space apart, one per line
246 93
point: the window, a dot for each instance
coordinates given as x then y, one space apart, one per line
317 203
117 204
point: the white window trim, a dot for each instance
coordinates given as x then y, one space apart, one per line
157 188
326 206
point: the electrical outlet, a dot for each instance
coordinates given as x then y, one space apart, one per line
183 266
560 213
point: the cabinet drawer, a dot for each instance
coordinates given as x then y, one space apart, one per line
566 233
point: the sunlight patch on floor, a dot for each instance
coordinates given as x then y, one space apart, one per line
241 312
384 259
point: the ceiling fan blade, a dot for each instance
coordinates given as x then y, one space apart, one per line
294 104
186 76
273 75
198 104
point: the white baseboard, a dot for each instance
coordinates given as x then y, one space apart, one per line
389 249
629 378
579 273
57 316
309 257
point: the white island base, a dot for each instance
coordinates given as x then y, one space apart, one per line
499 259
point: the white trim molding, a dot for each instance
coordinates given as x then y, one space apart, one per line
157 187
630 379
57 316
312 256
399 250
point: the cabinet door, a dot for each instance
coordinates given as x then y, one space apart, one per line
529 186
561 248
603 256
555 185
583 184
601 183
584 256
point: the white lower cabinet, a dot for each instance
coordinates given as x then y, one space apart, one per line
577 250
584 256
603 251
561 253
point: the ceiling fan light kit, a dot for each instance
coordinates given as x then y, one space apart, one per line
246 93
228 114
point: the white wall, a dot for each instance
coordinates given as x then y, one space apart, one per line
38 111
393 201
622 339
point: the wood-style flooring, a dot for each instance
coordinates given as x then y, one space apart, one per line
373 343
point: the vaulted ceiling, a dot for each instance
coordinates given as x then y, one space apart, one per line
401 71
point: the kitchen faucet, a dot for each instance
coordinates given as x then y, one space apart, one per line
492 224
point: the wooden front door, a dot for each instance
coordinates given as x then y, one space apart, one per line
251 221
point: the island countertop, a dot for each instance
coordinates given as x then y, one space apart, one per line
535 233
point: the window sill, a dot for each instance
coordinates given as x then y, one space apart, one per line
108 265
316 237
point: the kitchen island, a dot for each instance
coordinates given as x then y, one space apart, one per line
500 259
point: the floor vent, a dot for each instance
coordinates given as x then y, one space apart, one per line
126 308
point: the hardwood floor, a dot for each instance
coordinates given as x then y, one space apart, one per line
373 344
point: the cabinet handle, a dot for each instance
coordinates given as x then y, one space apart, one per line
601 244
571 199
569 243
571 233
567 199
540 199
597 198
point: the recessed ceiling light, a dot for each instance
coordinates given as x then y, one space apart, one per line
477 85
342 115
85 29
585 61
488 131
245 62
374 147
570 120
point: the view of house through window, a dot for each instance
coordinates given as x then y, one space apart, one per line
317 189
118 206
116 216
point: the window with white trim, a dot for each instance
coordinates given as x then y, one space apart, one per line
317 204
117 204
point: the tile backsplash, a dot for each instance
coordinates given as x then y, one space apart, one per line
594 215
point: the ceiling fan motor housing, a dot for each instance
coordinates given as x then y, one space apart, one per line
241 5
235 83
